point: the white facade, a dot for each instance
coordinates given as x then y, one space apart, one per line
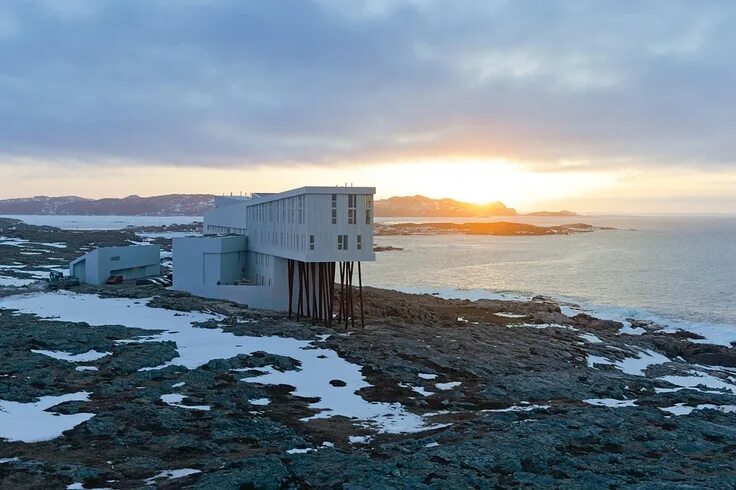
313 224
133 262
308 224
227 217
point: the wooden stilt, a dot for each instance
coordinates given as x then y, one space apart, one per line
328 311
290 271
341 310
320 281
307 289
314 293
352 303
299 304
360 294
331 275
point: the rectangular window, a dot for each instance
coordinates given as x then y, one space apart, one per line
334 209
359 242
368 209
342 242
311 242
352 209
115 258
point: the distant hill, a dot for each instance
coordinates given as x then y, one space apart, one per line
198 204
421 206
167 205
563 213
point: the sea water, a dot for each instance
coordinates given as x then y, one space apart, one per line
674 270
79 222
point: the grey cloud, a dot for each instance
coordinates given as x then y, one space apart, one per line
237 83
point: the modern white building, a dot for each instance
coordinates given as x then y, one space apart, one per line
134 262
281 251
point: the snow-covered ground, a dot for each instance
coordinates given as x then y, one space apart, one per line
701 378
172 475
197 346
504 314
88 356
176 399
31 422
15 282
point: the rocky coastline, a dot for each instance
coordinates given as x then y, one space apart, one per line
502 228
453 393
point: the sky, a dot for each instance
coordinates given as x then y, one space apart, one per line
596 106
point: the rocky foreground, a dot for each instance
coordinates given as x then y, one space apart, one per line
450 393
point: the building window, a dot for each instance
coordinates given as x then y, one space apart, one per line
352 209
311 242
368 209
334 209
114 258
342 242
359 242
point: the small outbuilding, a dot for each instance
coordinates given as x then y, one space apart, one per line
133 262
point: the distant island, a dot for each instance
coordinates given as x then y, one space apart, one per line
197 204
425 207
166 205
502 228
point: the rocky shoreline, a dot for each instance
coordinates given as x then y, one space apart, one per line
450 393
502 228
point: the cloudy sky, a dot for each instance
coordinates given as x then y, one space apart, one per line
617 106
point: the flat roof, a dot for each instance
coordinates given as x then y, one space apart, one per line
83 257
341 189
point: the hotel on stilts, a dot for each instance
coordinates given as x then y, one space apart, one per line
294 251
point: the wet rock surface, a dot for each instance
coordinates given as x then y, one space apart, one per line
519 394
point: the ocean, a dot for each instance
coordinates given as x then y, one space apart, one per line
680 271
73 222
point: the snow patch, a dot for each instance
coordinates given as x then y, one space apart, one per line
175 400
523 407
505 314
417 389
682 409
589 337
300 451
610 402
86 368
629 330
699 378
172 474
542 326
635 366
447 386
30 422
15 281
13 242
91 355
